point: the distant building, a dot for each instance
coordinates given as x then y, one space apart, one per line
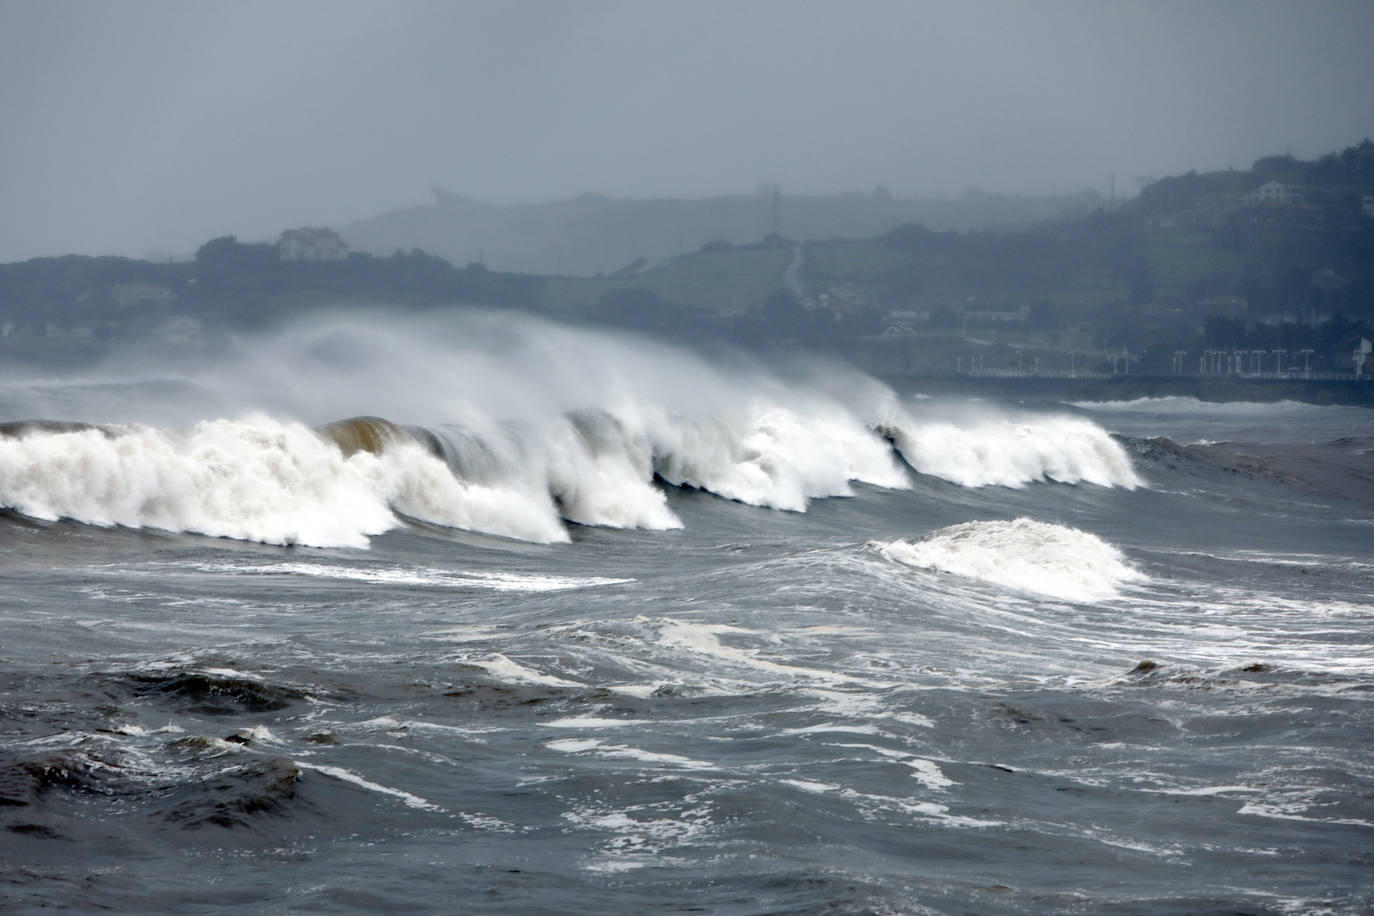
1273 194
127 295
309 244
1018 314
180 330
1367 205
841 299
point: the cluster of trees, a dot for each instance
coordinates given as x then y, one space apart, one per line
779 317
233 284
74 289
233 277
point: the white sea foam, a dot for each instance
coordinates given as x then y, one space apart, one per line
987 447
771 455
620 751
1023 554
407 798
1174 404
602 474
593 722
927 772
429 578
533 426
705 640
257 479
511 671
587 417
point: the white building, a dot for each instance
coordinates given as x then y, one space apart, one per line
909 316
126 295
309 244
1012 314
1274 194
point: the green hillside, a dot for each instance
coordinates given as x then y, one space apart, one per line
719 278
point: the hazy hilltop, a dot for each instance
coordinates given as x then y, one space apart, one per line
593 234
1268 268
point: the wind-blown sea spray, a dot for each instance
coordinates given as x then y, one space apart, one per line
511 426
255 479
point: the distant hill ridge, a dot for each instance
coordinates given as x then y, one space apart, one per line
592 233
1334 178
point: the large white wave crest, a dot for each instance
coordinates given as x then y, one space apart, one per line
258 479
1024 555
517 426
983 447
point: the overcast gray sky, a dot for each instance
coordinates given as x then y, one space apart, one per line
144 125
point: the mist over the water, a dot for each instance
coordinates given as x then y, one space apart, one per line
346 568
495 423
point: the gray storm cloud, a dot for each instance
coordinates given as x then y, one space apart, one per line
157 125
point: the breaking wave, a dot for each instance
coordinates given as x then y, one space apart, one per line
1022 554
257 479
987 448
528 426
1176 404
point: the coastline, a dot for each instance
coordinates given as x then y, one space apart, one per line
1347 392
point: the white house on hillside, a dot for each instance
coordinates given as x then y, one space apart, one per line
1274 194
309 244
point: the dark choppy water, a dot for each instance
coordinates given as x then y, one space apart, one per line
524 655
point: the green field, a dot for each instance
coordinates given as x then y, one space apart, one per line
1182 257
858 260
717 281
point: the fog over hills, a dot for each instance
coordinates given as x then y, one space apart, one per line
154 125
593 233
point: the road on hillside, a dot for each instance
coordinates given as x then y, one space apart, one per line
791 276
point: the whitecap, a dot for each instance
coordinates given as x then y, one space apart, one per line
1022 554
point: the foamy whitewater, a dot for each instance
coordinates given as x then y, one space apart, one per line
484 613
1022 554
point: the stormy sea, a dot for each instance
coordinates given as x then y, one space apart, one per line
496 615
